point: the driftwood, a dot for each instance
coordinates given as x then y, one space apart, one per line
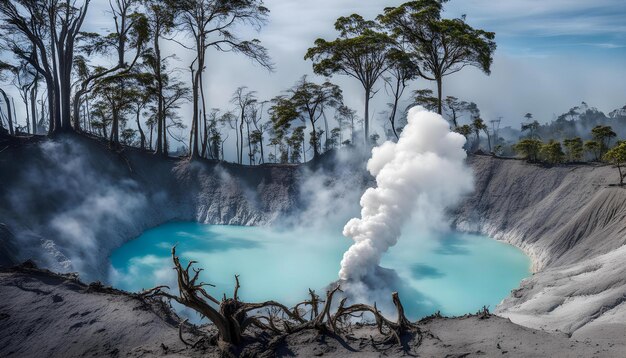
232 317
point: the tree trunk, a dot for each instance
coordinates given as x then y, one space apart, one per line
66 92
454 119
115 128
27 110
439 94
352 131
160 118
394 109
241 137
104 131
142 136
193 150
314 139
237 143
9 115
488 140
33 107
326 131
14 113
89 115
166 148
55 114
249 144
477 147
204 142
261 144
151 131
366 122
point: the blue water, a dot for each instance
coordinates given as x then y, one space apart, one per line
453 273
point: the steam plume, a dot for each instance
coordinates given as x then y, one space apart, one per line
417 177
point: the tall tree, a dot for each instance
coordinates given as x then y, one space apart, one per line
552 152
574 149
454 108
529 148
245 101
400 72
161 16
439 46
307 101
617 157
603 135
260 128
44 34
118 93
478 125
4 69
346 117
212 24
532 127
24 79
130 31
360 51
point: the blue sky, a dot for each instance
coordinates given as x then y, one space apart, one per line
554 27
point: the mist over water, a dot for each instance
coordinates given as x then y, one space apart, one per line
452 273
401 241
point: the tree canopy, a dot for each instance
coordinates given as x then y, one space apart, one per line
617 157
361 51
439 46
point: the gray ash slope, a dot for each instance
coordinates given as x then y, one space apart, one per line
68 202
56 200
49 315
572 223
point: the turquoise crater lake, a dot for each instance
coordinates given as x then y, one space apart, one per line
453 273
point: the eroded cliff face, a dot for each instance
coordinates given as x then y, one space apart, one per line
68 202
573 225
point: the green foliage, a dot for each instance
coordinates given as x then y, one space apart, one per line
594 148
529 148
426 99
617 157
283 111
439 47
552 152
478 125
306 101
574 149
335 135
603 135
454 108
360 51
296 142
531 127
128 136
465 130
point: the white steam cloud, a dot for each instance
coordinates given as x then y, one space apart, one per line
416 178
